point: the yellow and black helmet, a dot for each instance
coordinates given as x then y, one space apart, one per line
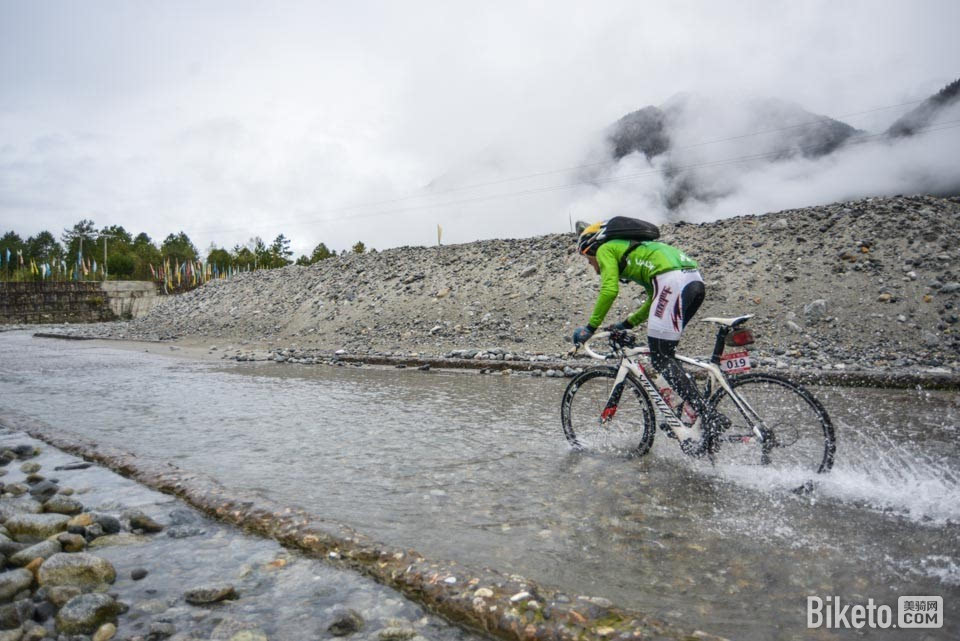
591 237
618 227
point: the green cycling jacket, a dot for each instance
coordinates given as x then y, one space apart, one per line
646 261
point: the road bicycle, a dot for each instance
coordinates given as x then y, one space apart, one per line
754 418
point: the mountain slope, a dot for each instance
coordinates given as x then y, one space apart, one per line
885 270
925 113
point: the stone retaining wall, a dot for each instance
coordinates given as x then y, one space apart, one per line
131 298
72 302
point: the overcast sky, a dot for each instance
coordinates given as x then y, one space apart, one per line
330 121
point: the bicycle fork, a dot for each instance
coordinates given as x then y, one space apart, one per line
679 429
610 409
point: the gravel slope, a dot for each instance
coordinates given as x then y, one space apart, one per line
867 283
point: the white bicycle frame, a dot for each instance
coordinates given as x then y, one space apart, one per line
630 364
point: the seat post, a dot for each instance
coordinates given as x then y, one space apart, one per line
718 345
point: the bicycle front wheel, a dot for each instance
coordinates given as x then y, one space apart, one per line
801 435
599 418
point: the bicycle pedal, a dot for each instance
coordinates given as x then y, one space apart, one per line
693 448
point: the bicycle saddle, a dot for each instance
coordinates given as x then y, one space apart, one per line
729 322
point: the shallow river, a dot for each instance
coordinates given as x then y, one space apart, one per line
475 468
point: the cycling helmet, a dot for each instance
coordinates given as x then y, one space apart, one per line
591 238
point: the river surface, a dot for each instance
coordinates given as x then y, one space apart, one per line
475 469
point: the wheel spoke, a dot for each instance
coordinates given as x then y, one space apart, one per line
598 417
799 434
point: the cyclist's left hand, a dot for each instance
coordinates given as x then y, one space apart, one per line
581 335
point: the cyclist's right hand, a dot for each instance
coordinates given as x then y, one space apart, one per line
619 327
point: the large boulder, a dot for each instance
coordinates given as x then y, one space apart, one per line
85 613
85 571
14 582
33 528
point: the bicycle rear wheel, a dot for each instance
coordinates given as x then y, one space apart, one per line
628 428
802 434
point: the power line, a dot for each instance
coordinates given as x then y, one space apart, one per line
604 163
951 124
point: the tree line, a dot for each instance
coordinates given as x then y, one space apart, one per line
130 257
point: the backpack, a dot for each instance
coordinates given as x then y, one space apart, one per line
623 228
632 229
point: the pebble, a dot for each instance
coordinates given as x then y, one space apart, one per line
160 630
345 621
84 614
105 632
140 521
32 528
81 520
72 542
60 504
43 550
185 531
210 593
79 569
109 523
114 540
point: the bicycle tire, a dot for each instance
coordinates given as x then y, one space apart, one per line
803 433
629 431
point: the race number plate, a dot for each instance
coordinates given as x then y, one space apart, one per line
735 362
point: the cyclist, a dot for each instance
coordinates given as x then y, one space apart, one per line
675 292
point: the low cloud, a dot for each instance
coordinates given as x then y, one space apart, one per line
376 121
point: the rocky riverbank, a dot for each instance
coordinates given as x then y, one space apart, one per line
863 286
207 580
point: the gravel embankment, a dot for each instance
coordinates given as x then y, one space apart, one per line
871 284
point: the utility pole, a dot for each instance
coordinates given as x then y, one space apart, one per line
105 236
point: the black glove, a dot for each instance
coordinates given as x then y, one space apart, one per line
619 327
582 334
